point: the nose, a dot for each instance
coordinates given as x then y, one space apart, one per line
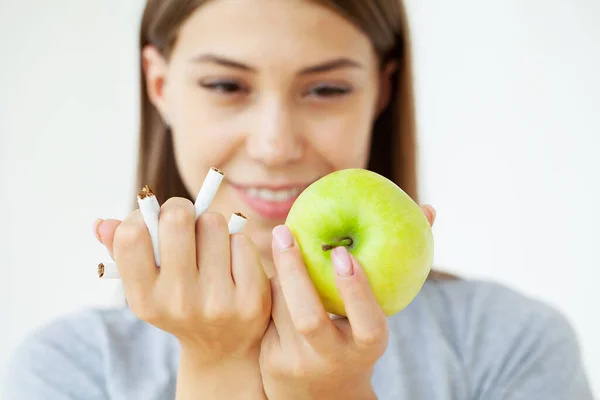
274 139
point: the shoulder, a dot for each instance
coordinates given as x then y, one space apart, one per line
480 313
508 340
469 301
485 315
72 354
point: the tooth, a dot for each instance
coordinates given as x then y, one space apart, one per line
263 193
275 196
283 195
270 195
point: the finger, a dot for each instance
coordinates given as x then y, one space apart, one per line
303 302
272 355
133 253
246 268
177 240
213 254
367 319
282 321
97 223
105 232
429 212
271 337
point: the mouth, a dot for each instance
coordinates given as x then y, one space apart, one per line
270 201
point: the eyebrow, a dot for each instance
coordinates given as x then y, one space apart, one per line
322 67
214 59
331 65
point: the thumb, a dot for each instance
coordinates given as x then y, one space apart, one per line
367 320
429 212
105 232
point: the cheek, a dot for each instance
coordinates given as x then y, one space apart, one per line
343 138
200 140
198 120
190 158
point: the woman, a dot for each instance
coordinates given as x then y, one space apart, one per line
277 94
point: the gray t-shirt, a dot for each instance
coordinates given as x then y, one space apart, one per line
457 340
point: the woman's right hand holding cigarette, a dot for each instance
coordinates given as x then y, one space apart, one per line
210 292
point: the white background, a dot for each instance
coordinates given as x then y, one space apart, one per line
509 112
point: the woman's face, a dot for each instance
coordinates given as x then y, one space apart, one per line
274 93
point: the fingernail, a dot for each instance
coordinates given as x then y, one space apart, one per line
283 237
429 212
433 212
341 261
97 224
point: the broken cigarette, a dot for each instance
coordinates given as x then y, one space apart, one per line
150 210
208 191
110 271
237 223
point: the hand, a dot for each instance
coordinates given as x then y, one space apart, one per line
305 354
211 292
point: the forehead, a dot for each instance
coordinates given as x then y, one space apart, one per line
278 29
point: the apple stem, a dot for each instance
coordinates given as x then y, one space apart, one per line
343 242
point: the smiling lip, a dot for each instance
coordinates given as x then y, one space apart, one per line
271 209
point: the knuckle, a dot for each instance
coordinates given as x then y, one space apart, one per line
213 222
177 211
140 306
249 313
243 248
299 369
130 232
252 311
218 312
374 337
241 243
272 365
310 325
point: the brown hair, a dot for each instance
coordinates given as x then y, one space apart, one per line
393 146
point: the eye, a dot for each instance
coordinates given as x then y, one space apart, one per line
329 91
223 86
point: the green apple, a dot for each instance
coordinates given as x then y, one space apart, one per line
381 226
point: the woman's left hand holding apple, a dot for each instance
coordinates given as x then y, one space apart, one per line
307 355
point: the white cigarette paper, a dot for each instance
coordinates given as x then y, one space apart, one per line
237 223
150 210
208 190
108 271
